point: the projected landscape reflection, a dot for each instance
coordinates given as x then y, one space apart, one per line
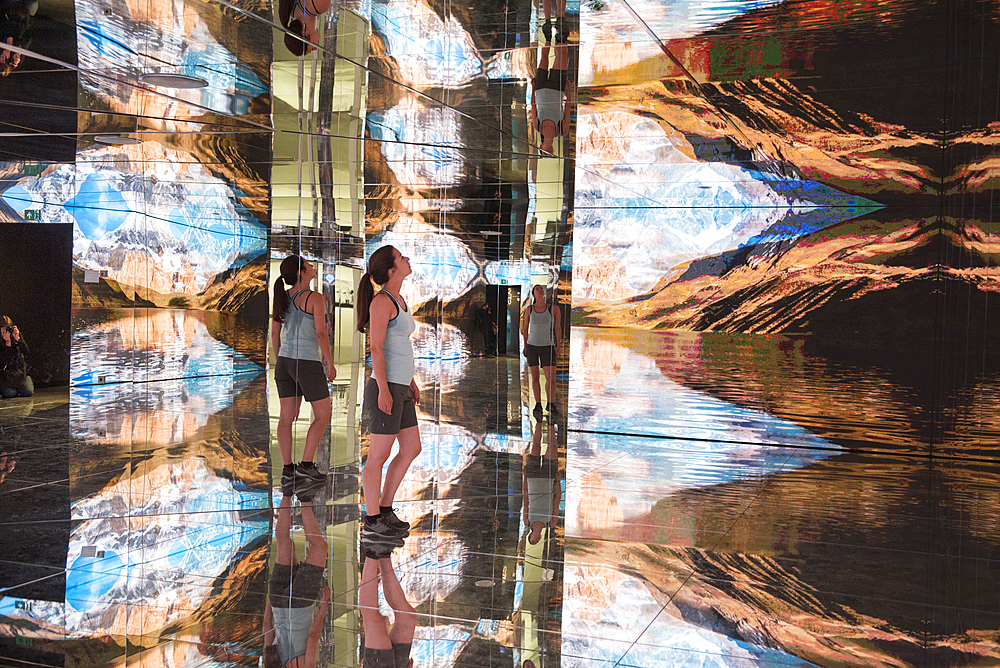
769 228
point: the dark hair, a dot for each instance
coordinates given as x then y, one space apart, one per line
293 44
289 272
379 265
272 659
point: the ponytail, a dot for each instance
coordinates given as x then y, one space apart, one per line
289 273
379 265
363 302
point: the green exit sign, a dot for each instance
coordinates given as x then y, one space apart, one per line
33 214
33 170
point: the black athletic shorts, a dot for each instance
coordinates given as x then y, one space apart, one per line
551 79
302 582
397 657
541 468
301 378
541 355
404 410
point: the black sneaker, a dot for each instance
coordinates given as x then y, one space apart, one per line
390 518
552 409
381 528
307 491
560 31
287 477
379 541
537 411
309 473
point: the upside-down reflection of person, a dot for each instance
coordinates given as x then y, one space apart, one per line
299 17
385 648
541 487
292 625
551 89
14 378
541 495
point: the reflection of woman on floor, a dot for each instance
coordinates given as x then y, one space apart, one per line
14 378
385 648
292 627
299 337
540 485
541 329
551 88
391 394
299 16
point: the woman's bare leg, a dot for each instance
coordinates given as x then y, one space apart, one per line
289 412
371 475
409 448
550 384
282 533
406 616
317 551
376 635
322 412
536 386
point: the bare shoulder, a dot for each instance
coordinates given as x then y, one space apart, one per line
382 303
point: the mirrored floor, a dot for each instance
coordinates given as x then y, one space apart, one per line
545 542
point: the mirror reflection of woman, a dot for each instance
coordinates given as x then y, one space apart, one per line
385 647
300 340
299 17
551 89
541 330
14 378
298 596
391 394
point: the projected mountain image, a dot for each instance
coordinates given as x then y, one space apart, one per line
159 224
773 177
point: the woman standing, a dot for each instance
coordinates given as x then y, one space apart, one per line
299 336
14 378
391 393
541 329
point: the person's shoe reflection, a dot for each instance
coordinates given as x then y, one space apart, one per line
385 647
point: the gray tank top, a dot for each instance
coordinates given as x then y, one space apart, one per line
396 346
291 631
298 334
541 327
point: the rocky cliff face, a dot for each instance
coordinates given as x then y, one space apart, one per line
841 282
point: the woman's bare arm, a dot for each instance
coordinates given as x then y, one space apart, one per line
316 306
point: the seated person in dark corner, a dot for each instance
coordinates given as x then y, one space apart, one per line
15 19
7 463
292 626
540 485
385 648
14 378
551 88
299 17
